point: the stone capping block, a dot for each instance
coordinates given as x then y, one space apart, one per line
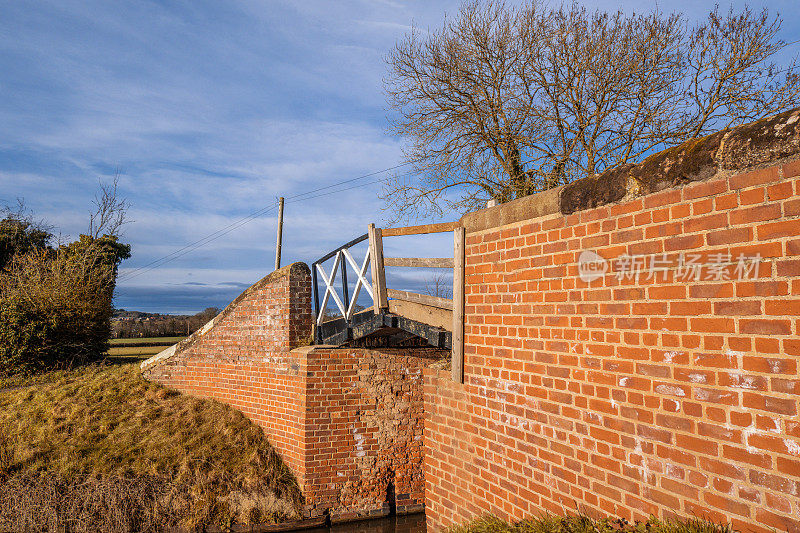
292 272
749 146
534 206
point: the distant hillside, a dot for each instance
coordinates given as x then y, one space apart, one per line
125 314
132 324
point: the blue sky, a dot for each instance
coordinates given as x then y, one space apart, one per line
211 110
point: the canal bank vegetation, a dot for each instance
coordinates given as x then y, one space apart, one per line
101 449
56 296
584 524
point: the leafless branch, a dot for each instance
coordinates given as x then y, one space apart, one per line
110 212
439 285
502 101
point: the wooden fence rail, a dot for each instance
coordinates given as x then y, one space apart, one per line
456 305
420 230
421 262
424 299
426 305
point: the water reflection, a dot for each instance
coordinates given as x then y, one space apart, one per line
414 523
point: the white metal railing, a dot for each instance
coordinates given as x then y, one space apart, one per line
377 290
345 303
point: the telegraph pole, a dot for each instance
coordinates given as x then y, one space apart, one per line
280 234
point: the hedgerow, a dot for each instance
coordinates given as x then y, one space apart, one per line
55 302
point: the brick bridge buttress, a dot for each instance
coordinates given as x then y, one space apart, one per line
347 421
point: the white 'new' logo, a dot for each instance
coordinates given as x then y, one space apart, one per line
591 266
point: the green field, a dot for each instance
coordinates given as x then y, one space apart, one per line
135 351
160 341
139 348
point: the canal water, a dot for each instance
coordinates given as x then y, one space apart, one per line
414 523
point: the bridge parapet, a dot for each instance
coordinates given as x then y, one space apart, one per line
347 421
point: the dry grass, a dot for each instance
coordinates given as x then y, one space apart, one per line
107 431
110 504
584 524
26 379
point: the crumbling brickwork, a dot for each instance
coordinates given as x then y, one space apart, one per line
629 395
364 431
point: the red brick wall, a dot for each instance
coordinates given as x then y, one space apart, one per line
245 360
348 421
364 430
628 397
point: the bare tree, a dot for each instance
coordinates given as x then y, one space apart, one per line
502 102
730 77
439 285
110 212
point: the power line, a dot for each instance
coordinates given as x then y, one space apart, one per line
354 179
351 187
221 231
308 195
196 244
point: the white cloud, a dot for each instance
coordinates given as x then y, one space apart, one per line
211 110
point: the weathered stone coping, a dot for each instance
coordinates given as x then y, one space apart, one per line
745 147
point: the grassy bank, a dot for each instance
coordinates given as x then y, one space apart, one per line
27 380
584 524
100 448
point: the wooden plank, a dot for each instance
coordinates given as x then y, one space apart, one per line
422 262
424 299
457 364
373 268
420 230
380 300
433 316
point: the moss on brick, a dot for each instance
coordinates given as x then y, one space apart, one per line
748 146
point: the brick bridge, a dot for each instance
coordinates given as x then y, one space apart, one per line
624 345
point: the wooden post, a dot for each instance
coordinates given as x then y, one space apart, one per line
457 363
373 262
380 298
280 234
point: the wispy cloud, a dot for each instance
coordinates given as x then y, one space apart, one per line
211 110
